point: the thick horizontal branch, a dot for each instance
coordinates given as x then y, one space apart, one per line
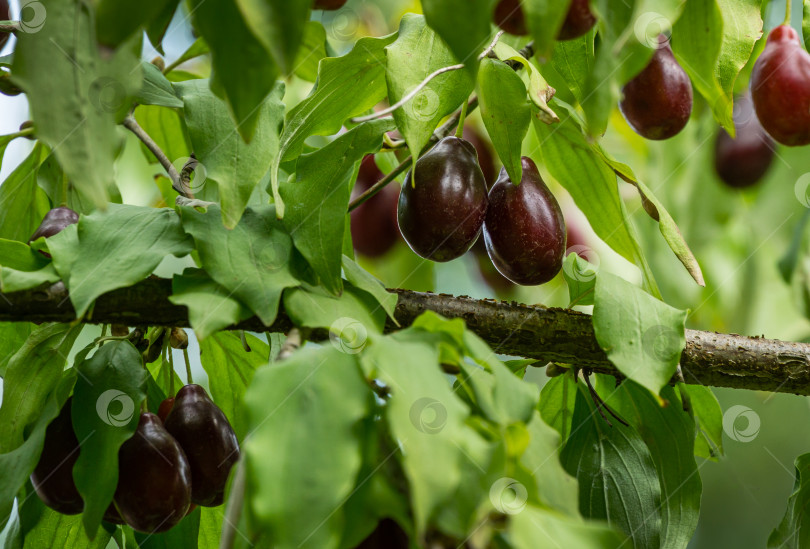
547 334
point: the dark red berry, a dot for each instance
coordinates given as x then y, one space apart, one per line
329 4
483 149
579 20
780 87
374 222
658 101
742 161
440 216
524 229
509 17
54 222
5 15
164 409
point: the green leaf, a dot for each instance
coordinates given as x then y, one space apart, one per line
279 26
256 267
416 53
347 86
617 476
365 281
22 202
304 451
669 434
313 49
505 111
315 310
568 156
210 306
463 24
670 231
197 49
12 280
211 520
557 400
165 127
156 89
32 373
116 249
230 370
106 400
708 421
642 336
57 531
234 165
20 256
573 61
117 20
12 337
319 197
539 527
242 70
544 19
580 276
792 532
156 29
76 101
181 536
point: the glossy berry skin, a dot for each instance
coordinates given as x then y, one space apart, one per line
658 101
441 216
742 161
54 222
5 15
329 4
53 476
154 478
210 444
509 17
374 222
113 516
579 20
524 231
483 148
780 87
164 409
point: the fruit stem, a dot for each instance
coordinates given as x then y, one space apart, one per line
103 330
188 366
9 26
461 117
787 11
132 125
290 345
171 372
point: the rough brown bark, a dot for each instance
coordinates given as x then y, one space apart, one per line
547 334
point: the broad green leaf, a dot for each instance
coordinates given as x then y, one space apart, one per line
230 370
20 256
31 374
4 142
55 530
211 520
117 20
313 49
12 280
106 401
156 89
742 27
463 24
708 421
243 72
347 86
256 267
792 532
181 536
225 158
22 202
544 19
417 52
157 27
427 419
210 306
304 450
198 48
669 433
580 276
573 61
12 337
279 26
506 112
557 400
642 336
670 231
318 197
543 528
17 465
116 249
76 100
165 127
568 156
315 310
555 487
365 281
616 474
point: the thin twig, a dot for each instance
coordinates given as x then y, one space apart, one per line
291 344
132 125
491 46
188 367
410 95
10 26
234 508
601 404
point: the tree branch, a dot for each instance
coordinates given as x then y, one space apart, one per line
546 334
132 125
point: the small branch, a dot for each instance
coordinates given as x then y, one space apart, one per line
10 26
491 46
410 95
290 345
132 125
